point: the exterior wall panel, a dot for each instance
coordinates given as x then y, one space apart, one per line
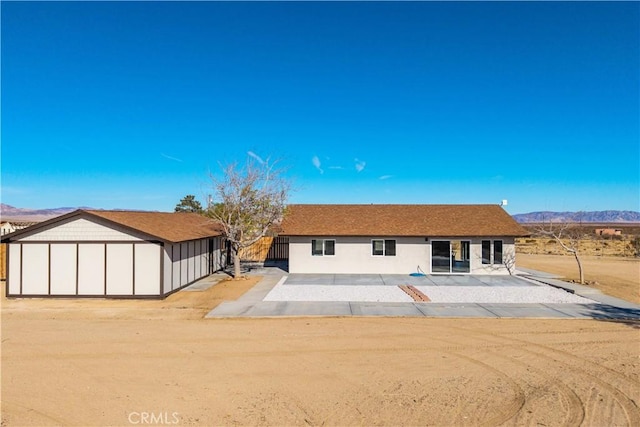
184 264
166 253
147 269
191 262
176 266
35 269
216 258
91 269
197 258
14 276
119 269
63 269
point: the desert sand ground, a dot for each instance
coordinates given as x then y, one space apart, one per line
115 362
615 276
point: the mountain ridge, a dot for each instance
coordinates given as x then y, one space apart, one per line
608 216
11 213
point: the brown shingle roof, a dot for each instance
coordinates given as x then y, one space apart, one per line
399 220
170 227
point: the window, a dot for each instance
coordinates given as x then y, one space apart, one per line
317 247
497 251
381 247
486 251
329 247
323 247
390 247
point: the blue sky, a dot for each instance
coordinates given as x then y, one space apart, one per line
130 105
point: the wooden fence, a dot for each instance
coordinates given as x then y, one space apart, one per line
267 249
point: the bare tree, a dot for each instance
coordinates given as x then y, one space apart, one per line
248 201
567 234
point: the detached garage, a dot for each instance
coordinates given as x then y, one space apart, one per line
114 254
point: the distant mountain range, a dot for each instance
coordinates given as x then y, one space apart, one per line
11 213
594 216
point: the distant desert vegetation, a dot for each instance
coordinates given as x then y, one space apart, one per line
611 262
626 244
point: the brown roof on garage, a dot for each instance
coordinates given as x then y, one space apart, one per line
170 227
399 220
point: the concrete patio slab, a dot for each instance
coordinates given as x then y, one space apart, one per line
384 309
268 309
206 282
252 303
229 309
310 279
405 279
317 309
596 311
453 310
358 279
453 280
531 272
523 310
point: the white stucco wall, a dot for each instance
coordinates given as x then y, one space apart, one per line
79 229
353 256
508 256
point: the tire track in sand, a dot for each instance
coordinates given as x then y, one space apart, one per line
626 403
574 413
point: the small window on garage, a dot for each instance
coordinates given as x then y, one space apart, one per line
380 247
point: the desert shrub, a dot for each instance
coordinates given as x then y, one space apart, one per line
635 245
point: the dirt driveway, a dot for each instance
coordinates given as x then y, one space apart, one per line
70 362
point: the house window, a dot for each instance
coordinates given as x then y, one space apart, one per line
497 251
381 247
486 251
322 247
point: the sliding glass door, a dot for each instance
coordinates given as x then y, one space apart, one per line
450 256
440 256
